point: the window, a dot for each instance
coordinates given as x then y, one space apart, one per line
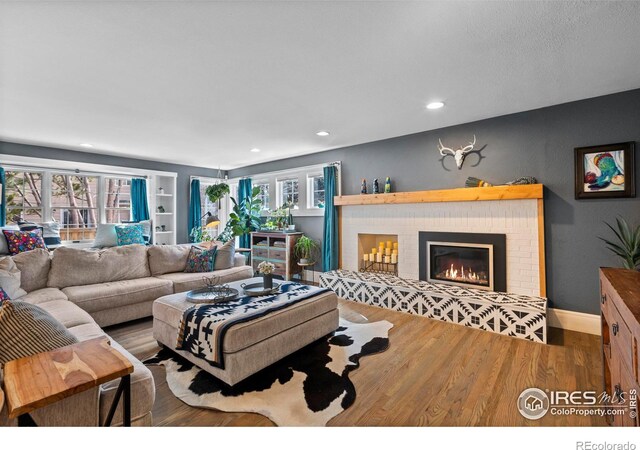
264 195
205 204
117 203
315 191
73 205
288 192
24 196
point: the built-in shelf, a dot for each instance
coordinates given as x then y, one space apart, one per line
164 195
528 191
164 214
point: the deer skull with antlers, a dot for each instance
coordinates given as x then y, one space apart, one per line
459 154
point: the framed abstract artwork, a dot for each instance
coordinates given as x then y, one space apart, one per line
605 171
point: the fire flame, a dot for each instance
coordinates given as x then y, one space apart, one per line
454 274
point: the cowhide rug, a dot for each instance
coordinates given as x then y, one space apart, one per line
307 388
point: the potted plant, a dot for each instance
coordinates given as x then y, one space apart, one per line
627 244
244 218
216 191
305 248
266 269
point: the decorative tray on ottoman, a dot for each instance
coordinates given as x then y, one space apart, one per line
258 289
212 293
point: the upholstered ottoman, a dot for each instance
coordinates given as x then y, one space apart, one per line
253 345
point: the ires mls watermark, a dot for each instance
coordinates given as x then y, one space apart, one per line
534 403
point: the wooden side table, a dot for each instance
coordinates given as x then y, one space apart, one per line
45 378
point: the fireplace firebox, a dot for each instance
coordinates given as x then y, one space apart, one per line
476 260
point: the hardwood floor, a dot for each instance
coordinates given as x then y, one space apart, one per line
433 374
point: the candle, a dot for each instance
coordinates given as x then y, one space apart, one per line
394 259
388 244
395 245
365 257
394 252
387 259
374 250
387 251
372 257
379 257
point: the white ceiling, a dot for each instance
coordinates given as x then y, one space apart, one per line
202 83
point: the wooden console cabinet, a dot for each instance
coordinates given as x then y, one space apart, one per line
620 318
277 248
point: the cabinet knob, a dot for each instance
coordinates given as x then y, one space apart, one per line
603 298
615 328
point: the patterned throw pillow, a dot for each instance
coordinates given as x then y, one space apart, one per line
3 297
23 241
130 234
27 329
201 260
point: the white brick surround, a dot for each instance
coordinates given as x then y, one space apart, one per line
517 219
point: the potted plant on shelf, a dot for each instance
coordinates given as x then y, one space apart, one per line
266 269
305 248
627 245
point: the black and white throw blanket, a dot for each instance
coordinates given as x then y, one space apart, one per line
203 327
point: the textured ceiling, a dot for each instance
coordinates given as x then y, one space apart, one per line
204 82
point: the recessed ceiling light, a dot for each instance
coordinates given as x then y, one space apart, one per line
322 133
435 105
255 150
85 145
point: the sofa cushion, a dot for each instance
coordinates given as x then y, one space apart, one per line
34 267
27 329
168 258
87 331
183 281
225 255
78 267
10 278
67 313
96 297
40 296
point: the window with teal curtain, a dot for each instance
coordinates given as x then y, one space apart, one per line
195 210
139 203
330 236
3 200
244 193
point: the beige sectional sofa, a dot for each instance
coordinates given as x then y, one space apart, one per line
87 290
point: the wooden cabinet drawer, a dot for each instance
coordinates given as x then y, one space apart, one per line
621 338
278 254
260 252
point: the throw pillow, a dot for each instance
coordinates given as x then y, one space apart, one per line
27 329
3 297
10 278
4 248
105 236
201 260
23 241
130 234
226 255
51 234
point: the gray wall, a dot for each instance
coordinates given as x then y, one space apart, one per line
538 143
182 183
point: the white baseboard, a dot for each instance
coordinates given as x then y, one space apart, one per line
574 321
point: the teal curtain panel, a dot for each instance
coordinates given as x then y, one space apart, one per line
330 236
139 203
195 212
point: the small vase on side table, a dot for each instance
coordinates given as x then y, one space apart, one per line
267 280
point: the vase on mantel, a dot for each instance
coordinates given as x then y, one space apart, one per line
267 280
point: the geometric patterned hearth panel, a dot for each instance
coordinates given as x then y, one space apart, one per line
519 316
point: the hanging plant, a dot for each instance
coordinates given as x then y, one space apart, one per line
216 191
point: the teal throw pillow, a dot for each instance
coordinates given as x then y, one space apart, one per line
130 234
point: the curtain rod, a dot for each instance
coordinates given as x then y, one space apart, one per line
70 171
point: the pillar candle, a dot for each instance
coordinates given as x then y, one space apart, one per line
387 251
372 257
374 250
388 244
365 257
387 259
394 259
395 245
379 257
394 252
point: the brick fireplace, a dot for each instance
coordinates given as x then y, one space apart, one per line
518 220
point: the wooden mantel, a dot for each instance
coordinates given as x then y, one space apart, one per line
527 191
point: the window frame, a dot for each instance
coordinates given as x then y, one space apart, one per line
22 208
99 205
311 190
105 193
280 182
